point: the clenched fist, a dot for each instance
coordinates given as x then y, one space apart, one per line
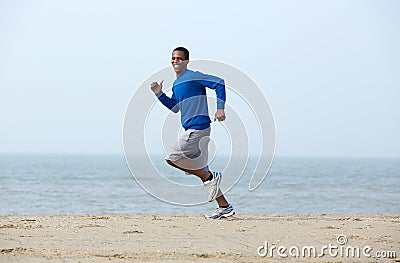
220 115
155 87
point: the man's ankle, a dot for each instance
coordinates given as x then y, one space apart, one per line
210 177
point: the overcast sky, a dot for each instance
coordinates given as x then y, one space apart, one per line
330 69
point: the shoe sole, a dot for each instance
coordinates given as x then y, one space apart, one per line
216 192
227 215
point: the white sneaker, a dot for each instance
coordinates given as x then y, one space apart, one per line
213 186
222 212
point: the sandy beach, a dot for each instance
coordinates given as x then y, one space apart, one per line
184 238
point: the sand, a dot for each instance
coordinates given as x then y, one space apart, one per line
186 238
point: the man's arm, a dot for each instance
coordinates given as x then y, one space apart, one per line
218 85
170 103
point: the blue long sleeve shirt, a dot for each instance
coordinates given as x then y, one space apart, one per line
190 98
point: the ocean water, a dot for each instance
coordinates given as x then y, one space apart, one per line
102 184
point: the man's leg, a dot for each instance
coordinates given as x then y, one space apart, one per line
204 176
192 145
221 200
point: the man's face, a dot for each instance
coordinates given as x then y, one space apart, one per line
178 61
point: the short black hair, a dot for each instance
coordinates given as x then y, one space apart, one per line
184 50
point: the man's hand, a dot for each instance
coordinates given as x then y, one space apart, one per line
155 87
220 115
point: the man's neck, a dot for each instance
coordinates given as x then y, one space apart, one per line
178 74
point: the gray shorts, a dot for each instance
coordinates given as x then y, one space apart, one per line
191 149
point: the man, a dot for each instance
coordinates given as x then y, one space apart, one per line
190 152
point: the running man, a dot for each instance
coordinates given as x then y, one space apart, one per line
190 152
